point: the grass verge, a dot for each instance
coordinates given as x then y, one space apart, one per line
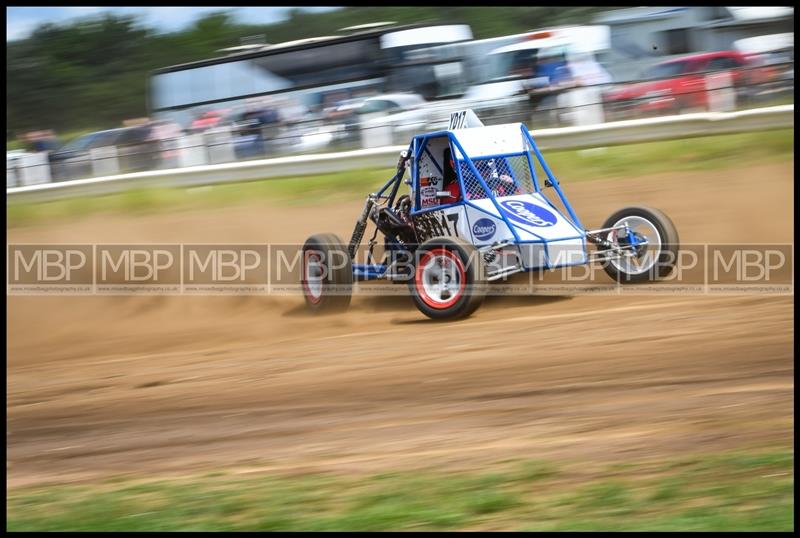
705 153
741 491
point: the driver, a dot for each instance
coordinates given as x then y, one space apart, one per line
450 180
499 178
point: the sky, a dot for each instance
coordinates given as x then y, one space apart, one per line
21 21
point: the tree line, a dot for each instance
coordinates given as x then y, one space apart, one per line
92 73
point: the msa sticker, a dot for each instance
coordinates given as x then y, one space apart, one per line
484 229
429 186
528 213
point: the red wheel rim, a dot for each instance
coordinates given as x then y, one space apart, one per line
440 278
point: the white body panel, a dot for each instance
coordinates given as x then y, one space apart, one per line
485 229
534 220
493 140
540 223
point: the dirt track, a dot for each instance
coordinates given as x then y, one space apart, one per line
100 386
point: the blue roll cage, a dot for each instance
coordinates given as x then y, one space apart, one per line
418 148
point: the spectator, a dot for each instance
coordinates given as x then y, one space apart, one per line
555 69
39 141
255 129
166 133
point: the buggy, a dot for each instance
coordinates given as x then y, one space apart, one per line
477 212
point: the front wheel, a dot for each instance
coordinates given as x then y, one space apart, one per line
449 279
327 277
647 245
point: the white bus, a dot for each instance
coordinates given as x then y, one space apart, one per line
308 74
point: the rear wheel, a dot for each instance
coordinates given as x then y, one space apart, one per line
651 245
327 277
449 279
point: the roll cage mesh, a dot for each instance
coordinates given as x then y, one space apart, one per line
504 175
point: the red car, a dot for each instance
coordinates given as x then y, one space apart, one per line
675 85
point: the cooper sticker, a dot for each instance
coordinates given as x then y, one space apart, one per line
484 229
528 213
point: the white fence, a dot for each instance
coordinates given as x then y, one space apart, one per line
606 134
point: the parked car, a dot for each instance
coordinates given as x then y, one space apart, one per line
676 85
73 160
343 108
401 112
137 150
